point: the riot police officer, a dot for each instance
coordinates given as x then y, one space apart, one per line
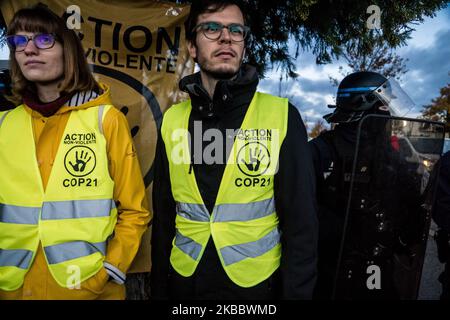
362 224
333 152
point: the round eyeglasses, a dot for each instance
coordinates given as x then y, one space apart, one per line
18 42
213 30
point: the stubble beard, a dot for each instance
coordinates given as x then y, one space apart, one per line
220 73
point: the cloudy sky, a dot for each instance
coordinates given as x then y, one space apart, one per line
428 54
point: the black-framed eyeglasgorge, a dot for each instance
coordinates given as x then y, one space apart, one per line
19 42
213 30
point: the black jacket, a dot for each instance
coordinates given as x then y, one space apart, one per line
441 210
294 199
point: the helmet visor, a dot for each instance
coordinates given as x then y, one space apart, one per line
393 96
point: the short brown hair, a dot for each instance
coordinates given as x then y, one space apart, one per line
40 19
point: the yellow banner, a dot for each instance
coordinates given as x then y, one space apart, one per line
138 48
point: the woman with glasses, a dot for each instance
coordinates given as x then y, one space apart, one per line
72 200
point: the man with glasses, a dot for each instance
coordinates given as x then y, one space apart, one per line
234 182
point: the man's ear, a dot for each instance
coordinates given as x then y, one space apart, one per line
192 49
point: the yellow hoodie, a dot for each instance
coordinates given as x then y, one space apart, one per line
129 194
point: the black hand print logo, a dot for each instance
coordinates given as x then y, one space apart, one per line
80 162
134 131
255 160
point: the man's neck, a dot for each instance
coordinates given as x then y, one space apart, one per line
209 83
48 92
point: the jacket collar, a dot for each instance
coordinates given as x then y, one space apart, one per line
228 94
103 98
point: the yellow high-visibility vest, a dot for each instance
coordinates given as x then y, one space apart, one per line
73 217
244 222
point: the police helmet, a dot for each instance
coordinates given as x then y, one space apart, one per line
356 97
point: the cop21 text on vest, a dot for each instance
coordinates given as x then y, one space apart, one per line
110 53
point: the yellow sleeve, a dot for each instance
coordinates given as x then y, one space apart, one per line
129 194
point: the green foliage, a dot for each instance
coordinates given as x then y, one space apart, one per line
439 109
325 27
371 53
317 129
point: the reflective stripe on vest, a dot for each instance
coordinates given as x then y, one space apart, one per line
72 250
236 253
243 223
77 209
224 213
19 215
71 220
56 210
227 212
18 258
188 246
192 211
244 211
